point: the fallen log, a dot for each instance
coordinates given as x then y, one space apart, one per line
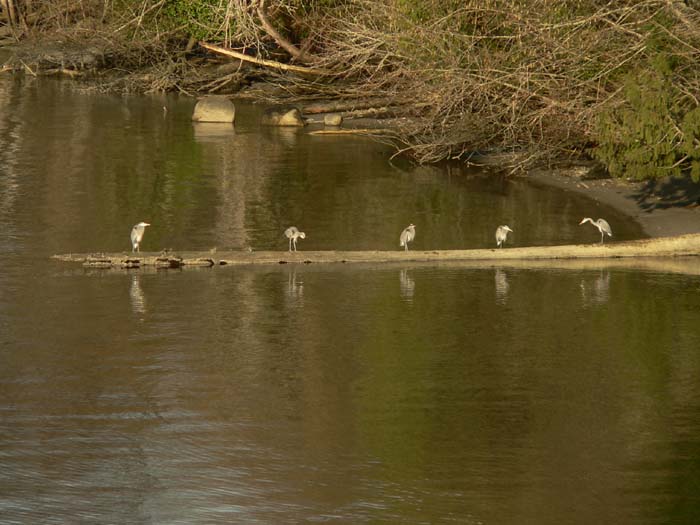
264 62
684 245
137 260
352 131
348 105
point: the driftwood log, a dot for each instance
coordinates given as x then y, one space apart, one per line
684 245
265 62
134 260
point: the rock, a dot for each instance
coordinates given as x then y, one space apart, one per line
282 116
214 108
332 119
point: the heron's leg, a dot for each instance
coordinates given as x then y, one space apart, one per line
295 243
290 244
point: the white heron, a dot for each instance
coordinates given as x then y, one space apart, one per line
292 233
601 224
502 234
137 235
407 235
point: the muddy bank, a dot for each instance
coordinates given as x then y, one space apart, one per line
663 208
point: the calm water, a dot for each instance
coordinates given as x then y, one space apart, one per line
387 394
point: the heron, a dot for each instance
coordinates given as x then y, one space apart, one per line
502 234
407 235
292 233
137 235
601 224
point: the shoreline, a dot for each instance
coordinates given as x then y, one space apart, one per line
663 208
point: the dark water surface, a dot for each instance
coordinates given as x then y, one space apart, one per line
394 394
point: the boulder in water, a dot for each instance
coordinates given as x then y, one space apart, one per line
214 108
282 116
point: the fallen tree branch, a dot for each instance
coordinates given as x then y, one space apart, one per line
350 105
285 44
357 131
264 62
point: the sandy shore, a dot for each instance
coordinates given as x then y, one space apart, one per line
663 208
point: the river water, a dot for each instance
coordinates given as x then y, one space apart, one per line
354 394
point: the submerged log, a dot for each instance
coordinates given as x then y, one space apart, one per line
683 245
134 260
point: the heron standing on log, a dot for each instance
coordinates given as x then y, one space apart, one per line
501 235
602 225
292 233
137 235
407 235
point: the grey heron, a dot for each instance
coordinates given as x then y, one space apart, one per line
292 233
501 235
602 225
137 235
407 235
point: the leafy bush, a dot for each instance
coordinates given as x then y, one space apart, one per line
197 18
655 132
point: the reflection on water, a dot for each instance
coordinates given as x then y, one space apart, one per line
138 302
596 291
408 285
213 132
501 282
293 394
295 287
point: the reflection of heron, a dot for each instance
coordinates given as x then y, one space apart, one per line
292 233
407 235
601 224
408 285
295 289
599 292
501 282
137 234
138 302
501 234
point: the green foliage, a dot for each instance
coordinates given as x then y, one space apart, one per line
655 133
199 18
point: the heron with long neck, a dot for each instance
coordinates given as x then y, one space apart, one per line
407 235
292 233
501 235
602 225
137 235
